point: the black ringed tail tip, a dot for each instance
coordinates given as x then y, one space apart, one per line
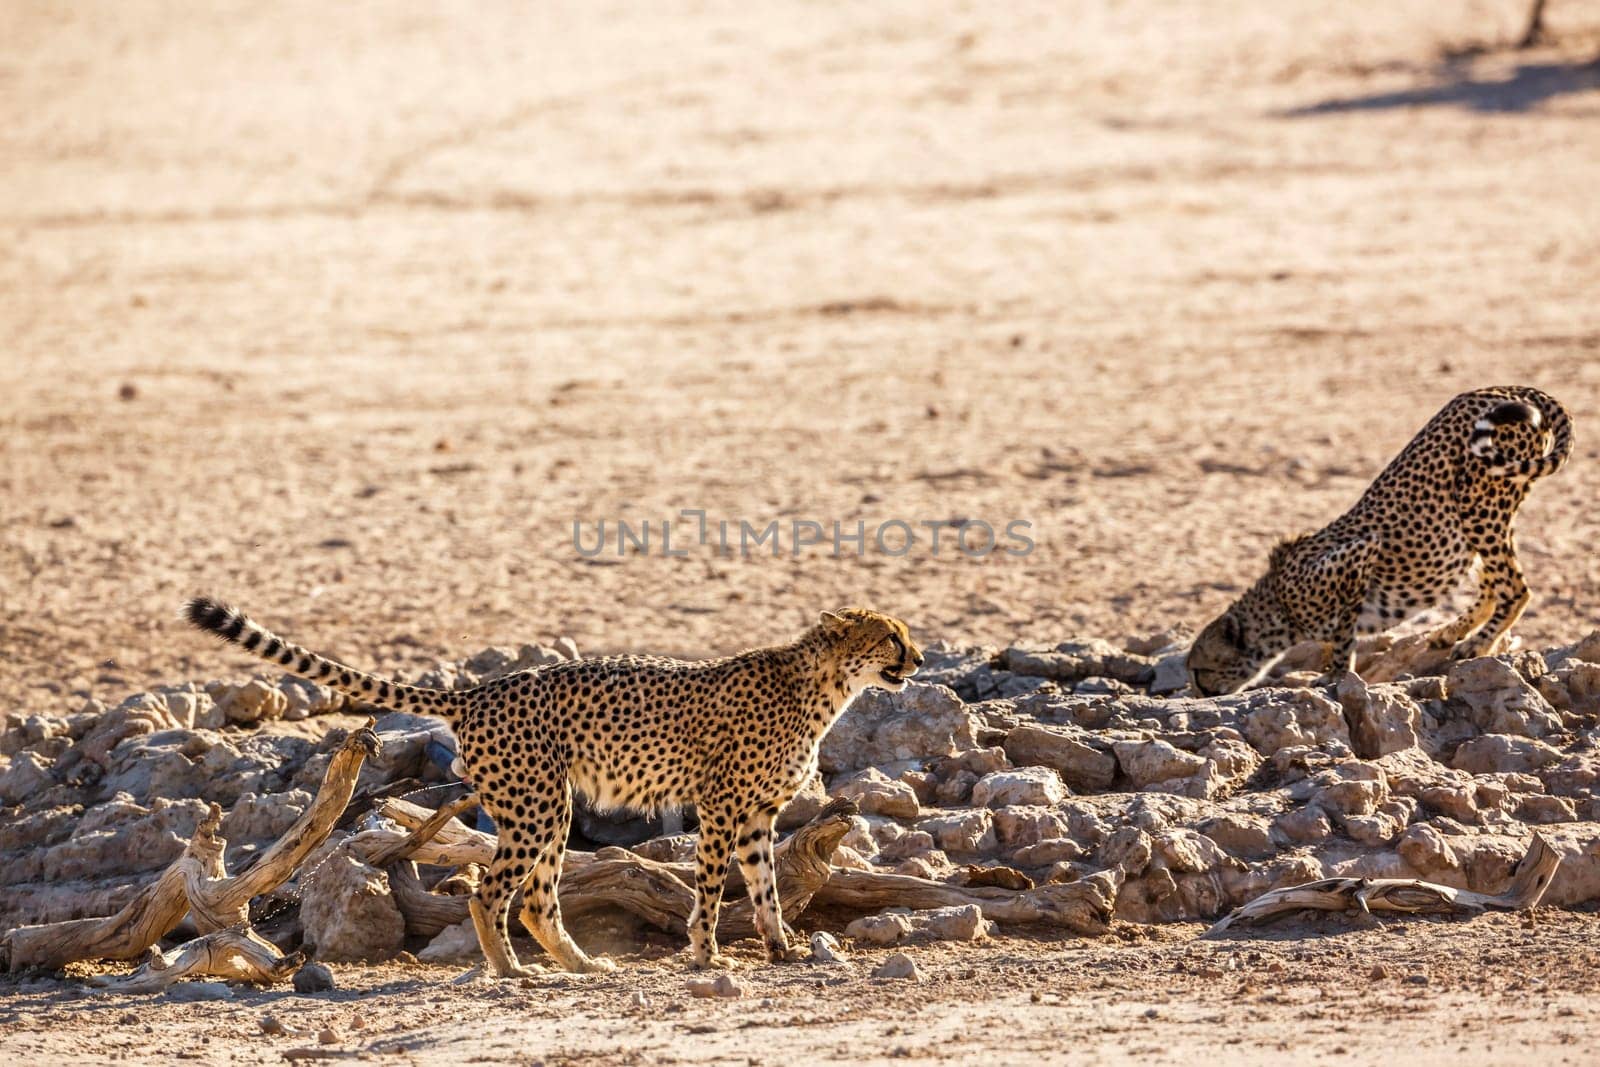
214 617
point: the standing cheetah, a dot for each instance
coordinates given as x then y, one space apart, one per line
736 737
1449 498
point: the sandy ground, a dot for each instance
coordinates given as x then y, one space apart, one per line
350 313
1488 992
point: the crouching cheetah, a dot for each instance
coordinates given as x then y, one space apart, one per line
736 737
1449 498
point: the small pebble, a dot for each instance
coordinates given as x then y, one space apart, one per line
313 978
1416 979
723 985
640 1000
328 1036
1378 971
898 965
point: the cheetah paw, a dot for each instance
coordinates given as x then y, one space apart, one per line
717 961
594 965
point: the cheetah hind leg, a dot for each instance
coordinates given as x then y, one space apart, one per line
488 909
541 914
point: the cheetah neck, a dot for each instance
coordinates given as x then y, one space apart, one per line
824 688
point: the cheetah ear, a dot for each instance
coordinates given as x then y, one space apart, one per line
1231 631
836 623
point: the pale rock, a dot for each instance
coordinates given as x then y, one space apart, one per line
898 966
1084 766
1459 802
964 923
924 865
252 702
1291 717
1047 853
966 831
453 944
1375 830
1024 786
1148 762
910 844
27 775
1502 752
1129 848
881 727
1382 718
1077 660
1171 673
1021 826
1305 826
347 909
1541 809
1426 851
1499 699
1242 834
875 793
722 986
825 949
887 928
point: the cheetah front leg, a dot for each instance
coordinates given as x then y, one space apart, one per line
711 873
1338 581
1503 585
754 852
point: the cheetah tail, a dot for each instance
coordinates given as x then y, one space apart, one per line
1537 408
234 626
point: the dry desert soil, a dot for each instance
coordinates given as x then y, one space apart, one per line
349 312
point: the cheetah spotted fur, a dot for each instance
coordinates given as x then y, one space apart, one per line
1447 500
737 737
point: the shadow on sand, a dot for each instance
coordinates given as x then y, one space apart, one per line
1528 87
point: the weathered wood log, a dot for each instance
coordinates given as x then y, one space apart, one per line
196 880
660 893
237 955
1084 906
1404 895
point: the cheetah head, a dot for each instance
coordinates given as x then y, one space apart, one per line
1221 660
1239 646
871 648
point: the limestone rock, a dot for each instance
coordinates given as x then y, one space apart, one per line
1382 718
1499 699
347 910
881 727
886 929
875 793
966 831
898 966
453 944
1085 767
1150 762
1500 752
1026 785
